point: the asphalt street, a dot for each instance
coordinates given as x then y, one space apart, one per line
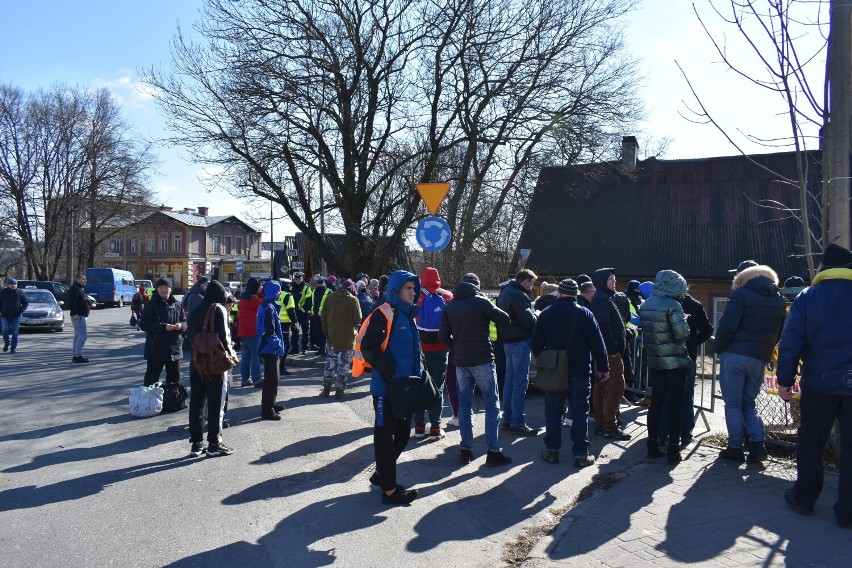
82 483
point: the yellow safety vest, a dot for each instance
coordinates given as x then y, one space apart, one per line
285 302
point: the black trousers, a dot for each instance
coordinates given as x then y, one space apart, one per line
152 372
304 323
818 414
285 333
317 335
667 386
271 374
210 391
390 436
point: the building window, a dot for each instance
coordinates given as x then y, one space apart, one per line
227 245
217 245
164 243
239 245
149 247
177 242
114 245
133 244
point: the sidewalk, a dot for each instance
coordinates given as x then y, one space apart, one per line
704 512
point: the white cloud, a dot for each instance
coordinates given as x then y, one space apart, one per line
129 91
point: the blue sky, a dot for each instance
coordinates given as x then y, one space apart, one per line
94 43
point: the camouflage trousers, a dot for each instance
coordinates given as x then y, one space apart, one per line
338 364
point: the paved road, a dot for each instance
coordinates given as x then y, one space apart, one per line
84 484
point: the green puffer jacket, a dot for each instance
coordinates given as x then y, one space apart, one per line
664 327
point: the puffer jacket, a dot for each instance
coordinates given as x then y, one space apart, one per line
754 315
465 325
341 316
609 319
518 303
162 345
817 333
664 327
267 322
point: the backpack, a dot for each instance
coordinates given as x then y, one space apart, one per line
429 319
209 356
136 302
174 397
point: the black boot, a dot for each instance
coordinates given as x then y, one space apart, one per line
673 454
654 451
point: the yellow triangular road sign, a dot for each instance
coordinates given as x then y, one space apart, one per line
433 194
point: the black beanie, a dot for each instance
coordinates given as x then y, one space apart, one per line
568 287
162 281
215 292
835 256
471 278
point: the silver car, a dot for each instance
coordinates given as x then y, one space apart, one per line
43 311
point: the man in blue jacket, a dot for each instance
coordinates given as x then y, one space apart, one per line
12 304
566 325
817 339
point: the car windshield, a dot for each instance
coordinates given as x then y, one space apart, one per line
39 297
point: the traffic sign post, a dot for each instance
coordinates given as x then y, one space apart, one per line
433 234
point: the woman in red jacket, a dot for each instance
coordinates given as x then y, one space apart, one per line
246 331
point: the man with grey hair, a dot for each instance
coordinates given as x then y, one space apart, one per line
79 317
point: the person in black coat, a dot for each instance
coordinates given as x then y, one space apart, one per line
163 322
12 304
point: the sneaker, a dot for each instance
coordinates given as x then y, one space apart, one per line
374 480
465 457
436 433
506 426
616 433
584 462
225 424
247 383
524 430
73 360
270 416
220 449
420 432
326 391
278 407
285 372
496 459
733 454
339 394
454 421
403 497
794 503
258 384
757 453
5 348
567 422
550 456
197 449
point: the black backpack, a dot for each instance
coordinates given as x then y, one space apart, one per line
174 397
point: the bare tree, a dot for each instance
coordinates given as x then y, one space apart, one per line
366 98
773 31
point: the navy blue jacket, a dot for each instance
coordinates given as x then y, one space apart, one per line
12 302
516 302
551 333
465 325
609 319
754 315
818 333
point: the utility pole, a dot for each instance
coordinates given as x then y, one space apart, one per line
840 120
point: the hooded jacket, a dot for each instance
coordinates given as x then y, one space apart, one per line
609 319
213 296
193 297
402 356
817 333
247 308
341 316
465 325
664 327
267 323
700 328
162 345
430 279
518 303
552 330
754 315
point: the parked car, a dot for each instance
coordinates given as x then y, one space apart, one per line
43 311
58 289
233 287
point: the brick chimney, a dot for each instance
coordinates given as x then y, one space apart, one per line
629 152
203 211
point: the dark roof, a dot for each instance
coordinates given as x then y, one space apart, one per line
699 217
197 220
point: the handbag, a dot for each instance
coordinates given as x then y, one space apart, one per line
174 397
209 356
408 395
552 366
146 401
132 319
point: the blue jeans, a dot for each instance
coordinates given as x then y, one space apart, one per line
80 334
249 360
554 402
517 381
687 415
740 377
10 325
486 377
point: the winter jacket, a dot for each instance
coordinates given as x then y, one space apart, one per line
267 322
341 316
516 302
664 327
609 319
247 307
365 302
754 315
565 317
430 279
402 356
818 333
298 291
464 327
700 328
286 307
544 301
162 345
317 299
193 298
12 302
77 301
213 296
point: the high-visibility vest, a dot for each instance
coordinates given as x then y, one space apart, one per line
285 301
359 365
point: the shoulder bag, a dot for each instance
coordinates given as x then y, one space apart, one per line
552 366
